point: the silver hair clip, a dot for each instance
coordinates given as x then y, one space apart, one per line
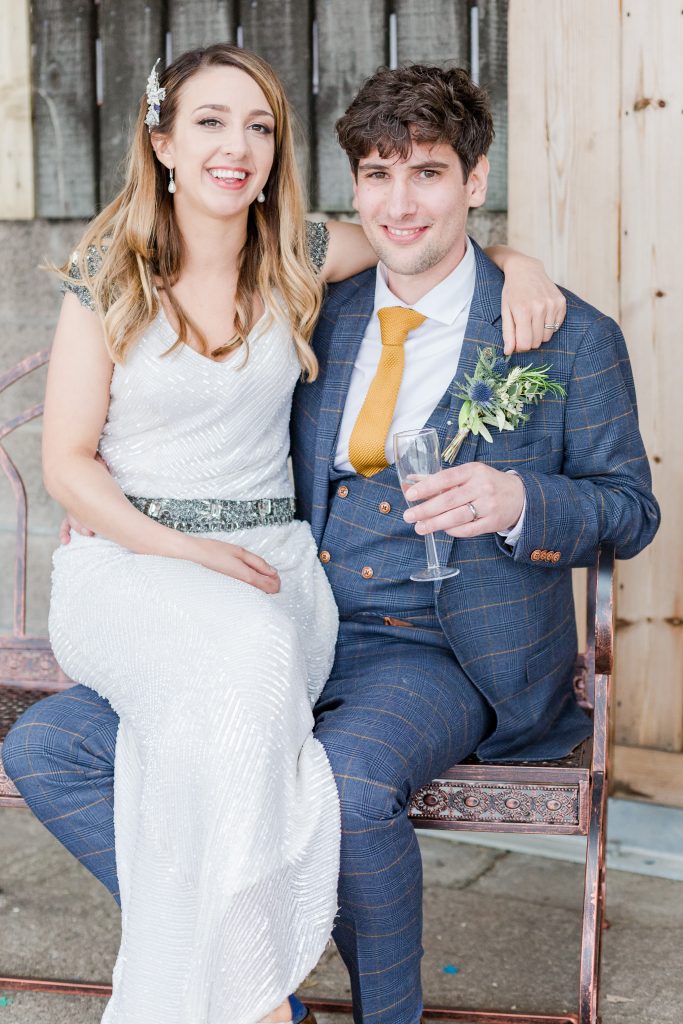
154 97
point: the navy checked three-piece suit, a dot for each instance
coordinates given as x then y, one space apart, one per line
424 675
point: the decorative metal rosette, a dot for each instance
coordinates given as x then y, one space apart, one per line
557 807
473 803
429 802
513 805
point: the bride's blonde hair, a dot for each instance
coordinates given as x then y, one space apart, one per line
138 237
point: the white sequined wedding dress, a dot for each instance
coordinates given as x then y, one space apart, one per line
226 810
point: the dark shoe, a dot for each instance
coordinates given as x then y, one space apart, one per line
300 1013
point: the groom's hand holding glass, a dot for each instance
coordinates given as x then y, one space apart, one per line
466 501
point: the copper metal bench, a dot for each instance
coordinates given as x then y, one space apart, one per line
566 797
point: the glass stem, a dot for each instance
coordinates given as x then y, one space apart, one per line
432 557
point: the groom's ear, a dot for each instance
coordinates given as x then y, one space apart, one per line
477 183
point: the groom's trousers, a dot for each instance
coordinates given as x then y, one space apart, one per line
396 711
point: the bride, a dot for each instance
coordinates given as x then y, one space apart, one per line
197 606
204 299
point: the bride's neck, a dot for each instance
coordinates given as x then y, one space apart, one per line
211 247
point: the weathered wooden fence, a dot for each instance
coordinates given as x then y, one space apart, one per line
69 114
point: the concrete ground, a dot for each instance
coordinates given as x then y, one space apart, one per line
501 931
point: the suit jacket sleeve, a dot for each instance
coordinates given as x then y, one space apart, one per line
604 491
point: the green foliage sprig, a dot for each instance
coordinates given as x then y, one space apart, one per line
493 397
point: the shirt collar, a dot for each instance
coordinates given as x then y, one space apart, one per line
445 301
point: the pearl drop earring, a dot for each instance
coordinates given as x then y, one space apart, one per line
171 181
261 197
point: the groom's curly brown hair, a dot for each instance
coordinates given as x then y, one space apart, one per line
419 103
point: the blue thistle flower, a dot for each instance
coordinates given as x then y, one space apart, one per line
481 393
500 367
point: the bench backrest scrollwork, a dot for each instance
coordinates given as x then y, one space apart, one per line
28 669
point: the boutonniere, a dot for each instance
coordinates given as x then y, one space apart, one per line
493 396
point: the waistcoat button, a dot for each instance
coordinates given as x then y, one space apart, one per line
325 556
384 507
342 492
367 572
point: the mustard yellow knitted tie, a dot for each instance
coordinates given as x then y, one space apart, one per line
369 434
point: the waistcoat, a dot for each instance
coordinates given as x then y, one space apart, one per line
369 551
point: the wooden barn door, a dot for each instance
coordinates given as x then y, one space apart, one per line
595 161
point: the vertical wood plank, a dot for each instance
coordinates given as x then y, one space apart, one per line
16 146
651 775
586 167
64 124
433 32
132 37
194 23
493 76
346 60
650 640
563 141
280 31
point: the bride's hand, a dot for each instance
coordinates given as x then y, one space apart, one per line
70 523
530 301
237 562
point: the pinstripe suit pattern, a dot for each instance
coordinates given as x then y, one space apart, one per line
484 666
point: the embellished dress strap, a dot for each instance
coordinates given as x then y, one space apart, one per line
93 258
317 240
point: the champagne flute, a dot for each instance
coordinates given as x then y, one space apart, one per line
417 455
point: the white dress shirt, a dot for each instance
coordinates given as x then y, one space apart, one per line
431 351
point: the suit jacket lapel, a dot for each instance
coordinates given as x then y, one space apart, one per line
483 329
346 337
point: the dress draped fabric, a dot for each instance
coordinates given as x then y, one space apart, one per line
226 809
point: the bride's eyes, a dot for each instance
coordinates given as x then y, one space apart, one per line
215 122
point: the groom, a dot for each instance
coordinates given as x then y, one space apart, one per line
424 676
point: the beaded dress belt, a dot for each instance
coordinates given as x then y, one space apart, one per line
216 515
